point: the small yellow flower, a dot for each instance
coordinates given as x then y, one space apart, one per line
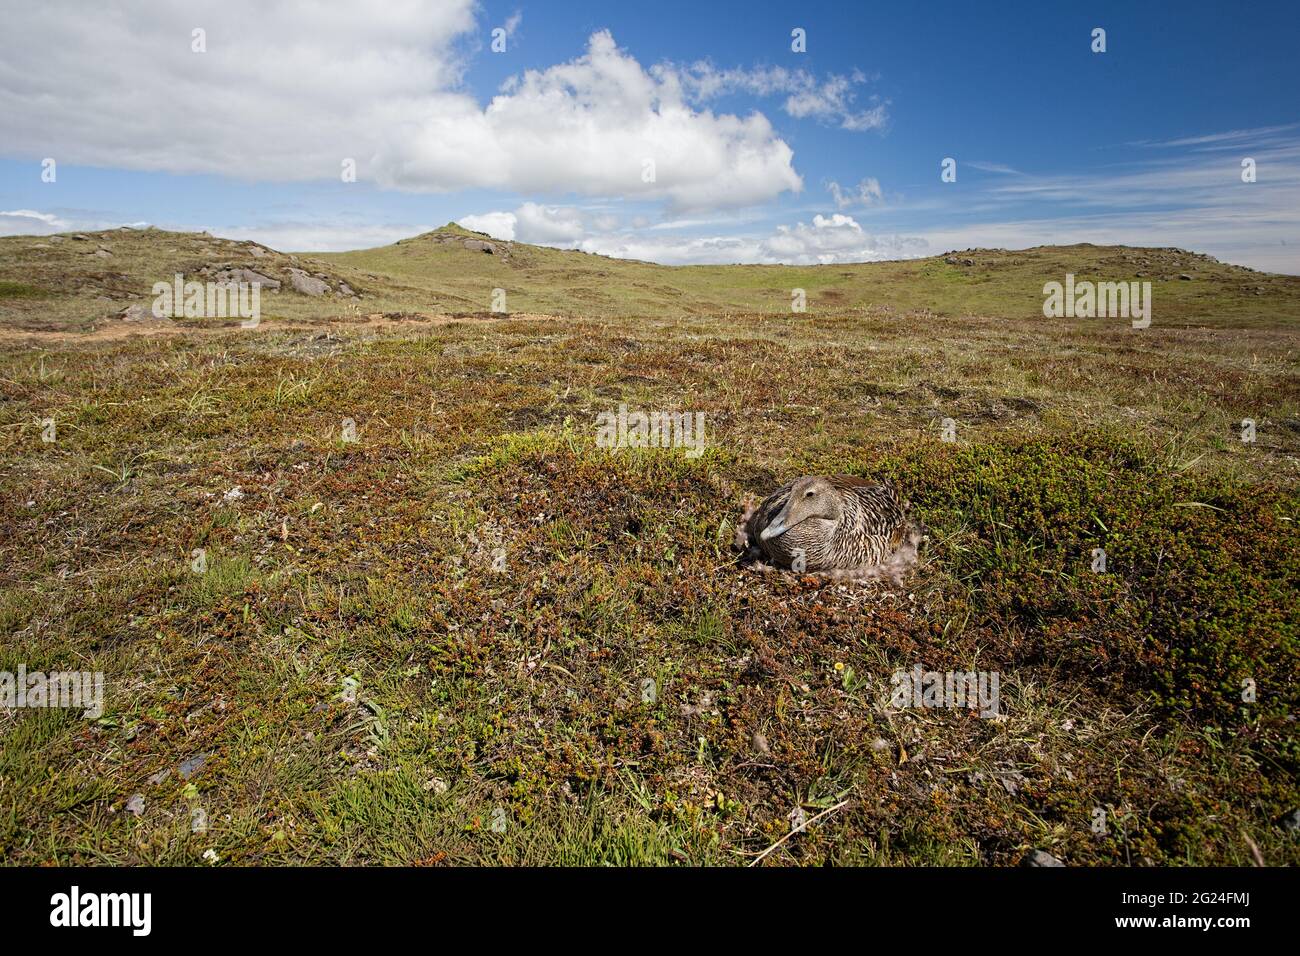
839 666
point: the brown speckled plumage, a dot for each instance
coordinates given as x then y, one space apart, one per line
840 524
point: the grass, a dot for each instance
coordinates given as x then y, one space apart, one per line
471 636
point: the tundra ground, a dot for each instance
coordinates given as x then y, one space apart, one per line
433 644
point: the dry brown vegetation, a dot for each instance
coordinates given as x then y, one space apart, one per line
365 685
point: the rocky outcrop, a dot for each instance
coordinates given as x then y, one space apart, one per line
308 284
248 276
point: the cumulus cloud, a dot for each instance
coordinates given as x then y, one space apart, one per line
284 93
541 225
599 125
498 225
825 240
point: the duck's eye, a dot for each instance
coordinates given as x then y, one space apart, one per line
809 493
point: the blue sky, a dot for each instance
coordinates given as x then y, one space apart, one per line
760 153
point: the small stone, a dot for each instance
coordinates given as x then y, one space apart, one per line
1291 822
193 765
436 785
1185 277
1040 858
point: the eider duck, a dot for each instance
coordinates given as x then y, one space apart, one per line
839 525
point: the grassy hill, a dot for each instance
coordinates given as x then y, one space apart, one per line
65 282
428 605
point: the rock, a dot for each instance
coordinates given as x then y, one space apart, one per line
345 289
193 765
1185 277
135 313
307 285
56 239
79 237
968 262
1291 822
436 785
258 252
1040 858
102 253
247 276
951 260
477 245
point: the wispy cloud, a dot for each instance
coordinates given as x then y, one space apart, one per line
830 99
866 193
1259 133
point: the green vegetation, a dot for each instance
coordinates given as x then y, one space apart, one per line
367 685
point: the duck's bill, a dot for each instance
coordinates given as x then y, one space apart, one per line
775 529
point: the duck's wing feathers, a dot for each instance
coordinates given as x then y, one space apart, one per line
882 512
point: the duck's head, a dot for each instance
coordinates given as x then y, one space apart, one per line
812 499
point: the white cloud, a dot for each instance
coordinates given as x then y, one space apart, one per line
865 193
511 26
830 100
286 93
827 239
498 225
29 222
590 127
552 225
541 225
317 236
